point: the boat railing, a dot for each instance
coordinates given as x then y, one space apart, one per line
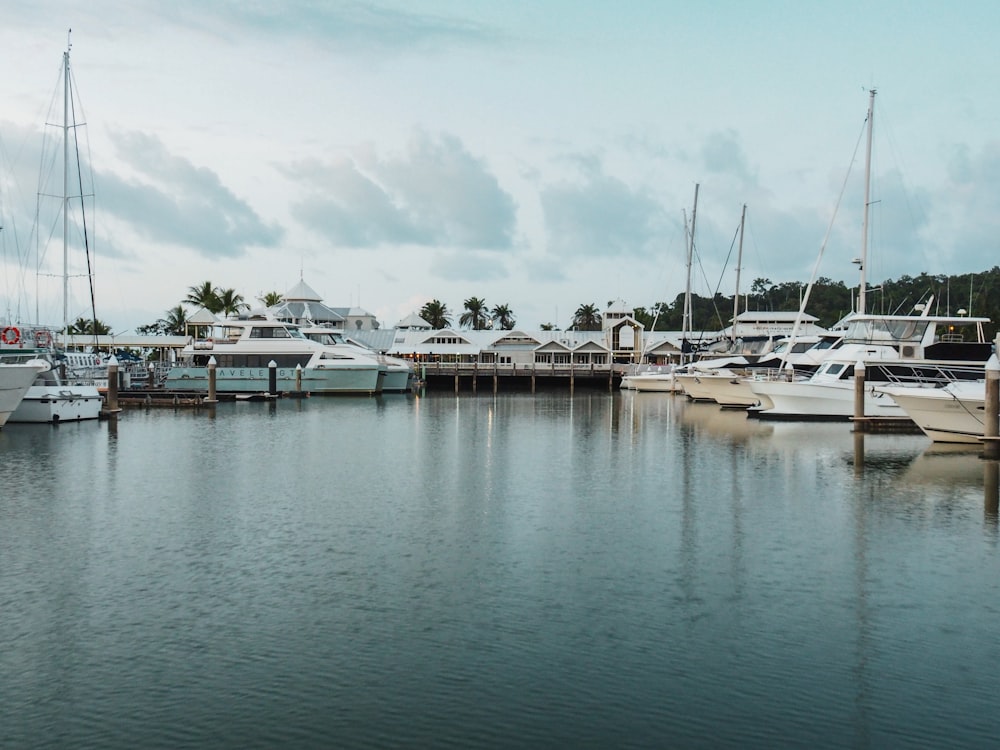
778 374
929 373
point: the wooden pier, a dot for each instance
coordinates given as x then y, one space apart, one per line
493 378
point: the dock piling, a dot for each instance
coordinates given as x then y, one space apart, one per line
991 428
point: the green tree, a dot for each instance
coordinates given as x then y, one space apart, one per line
503 318
270 299
436 313
175 324
230 303
84 327
204 295
474 316
548 327
587 318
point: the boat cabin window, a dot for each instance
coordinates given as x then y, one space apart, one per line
269 332
834 368
828 344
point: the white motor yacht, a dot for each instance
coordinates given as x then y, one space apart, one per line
894 349
399 377
243 350
953 413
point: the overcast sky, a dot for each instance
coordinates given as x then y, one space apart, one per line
537 154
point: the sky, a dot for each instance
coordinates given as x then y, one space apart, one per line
542 155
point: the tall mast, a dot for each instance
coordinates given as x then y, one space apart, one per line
686 320
739 264
65 207
862 283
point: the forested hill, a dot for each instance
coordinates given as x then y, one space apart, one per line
977 294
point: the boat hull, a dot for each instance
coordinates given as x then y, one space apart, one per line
663 383
15 380
343 379
52 404
944 415
807 400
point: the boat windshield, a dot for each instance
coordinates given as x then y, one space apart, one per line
888 330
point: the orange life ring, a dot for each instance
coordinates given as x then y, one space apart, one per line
43 338
10 335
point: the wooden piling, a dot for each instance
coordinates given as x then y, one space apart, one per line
111 403
991 428
859 395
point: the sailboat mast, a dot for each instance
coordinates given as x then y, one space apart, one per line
863 283
686 320
739 266
65 207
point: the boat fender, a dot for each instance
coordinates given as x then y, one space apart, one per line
11 335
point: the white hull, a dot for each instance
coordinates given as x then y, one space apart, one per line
660 383
58 403
15 380
830 400
953 414
344 379
725 389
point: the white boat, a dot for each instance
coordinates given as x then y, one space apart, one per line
953 413
651 378
244 349
56 397
399 377
730 385
917 350
15 379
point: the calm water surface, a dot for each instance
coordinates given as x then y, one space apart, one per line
623 570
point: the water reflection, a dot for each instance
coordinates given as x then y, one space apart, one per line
460 570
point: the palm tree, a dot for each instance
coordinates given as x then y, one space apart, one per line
230 303
175 324
475 315
587 318
270 299
548 327
436 313
88 327
503 317
204 295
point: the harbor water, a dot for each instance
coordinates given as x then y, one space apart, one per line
483 571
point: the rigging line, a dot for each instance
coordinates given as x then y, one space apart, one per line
83 212
826 238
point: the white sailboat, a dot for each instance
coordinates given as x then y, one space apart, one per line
57 395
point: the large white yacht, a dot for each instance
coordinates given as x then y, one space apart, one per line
244 349
399 376
902 349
